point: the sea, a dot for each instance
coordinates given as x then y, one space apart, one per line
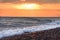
10 26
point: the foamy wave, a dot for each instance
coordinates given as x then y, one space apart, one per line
17 31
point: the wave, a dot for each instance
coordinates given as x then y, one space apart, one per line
18 30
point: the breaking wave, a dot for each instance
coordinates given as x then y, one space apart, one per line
16 31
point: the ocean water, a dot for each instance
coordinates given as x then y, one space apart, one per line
16 26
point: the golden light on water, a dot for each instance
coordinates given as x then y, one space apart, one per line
27 6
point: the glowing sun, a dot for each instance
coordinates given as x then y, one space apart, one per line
27 6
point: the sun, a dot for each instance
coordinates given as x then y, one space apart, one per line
27 6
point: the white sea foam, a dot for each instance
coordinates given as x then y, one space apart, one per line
10 32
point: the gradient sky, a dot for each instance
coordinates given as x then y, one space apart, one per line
40 1
50 8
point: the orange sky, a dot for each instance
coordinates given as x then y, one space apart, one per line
47 10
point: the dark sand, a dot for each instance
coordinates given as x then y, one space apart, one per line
53 34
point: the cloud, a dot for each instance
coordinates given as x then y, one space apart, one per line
45 1
50 1
9 1
38 1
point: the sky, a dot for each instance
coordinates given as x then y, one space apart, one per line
48 8
40 1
